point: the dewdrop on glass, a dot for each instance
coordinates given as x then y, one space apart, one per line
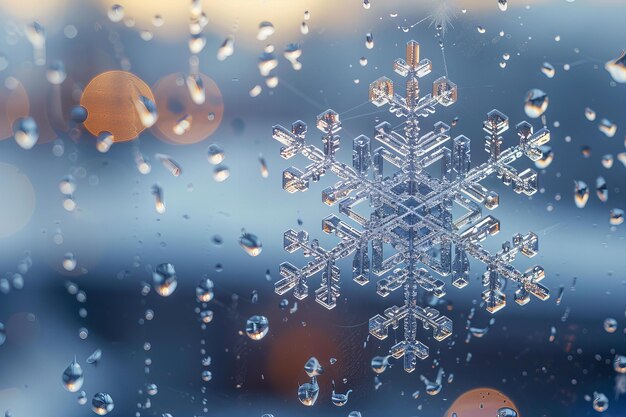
104 142
36 35
292 53
26 132
196 89
617 68
142 164
266 29
226 49
197 42
215 154
204 290
221 173
73 377
56 73
607 127
250 243
257 327
102 404
164 279
264 171
69 262
581 194
169 164
159 205
183 125
67 186
147 111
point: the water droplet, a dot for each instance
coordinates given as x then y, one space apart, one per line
36 35
304 28
196 89
502 5
102 403
292 53
104 142
619 364
610 325
67 186
152 389
340 399
616 217
607 161
481 29
506 412
82 398
3 334
266 29
215 154
581 193
602 190
617 68
547 156
264 171
256 90
600 402
354 414
535 103
73 377
164 278
159 204
147 111
366 4
312 367
78 114
379 364
183 125
56 72
69 262
369 41
308 392
226 49
257 327
116 13
607 127
548 70
206 316
590 114
95 357
250 243
197 42
25 132
204 290
169 164
221 173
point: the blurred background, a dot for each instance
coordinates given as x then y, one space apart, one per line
81 229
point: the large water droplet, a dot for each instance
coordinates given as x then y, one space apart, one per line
616 217
204 290
607 127
164 278
308 392
548 70
147 111
102 403
581 193
73 377
116 13
266 29
312 367
379 364
535 103
226 49
600 402
257 327
340 399
56 72
610 325
617 68
506 412
250 243
25 132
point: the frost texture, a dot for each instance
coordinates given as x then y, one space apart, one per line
411 211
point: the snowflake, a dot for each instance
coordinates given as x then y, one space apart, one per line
411 211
